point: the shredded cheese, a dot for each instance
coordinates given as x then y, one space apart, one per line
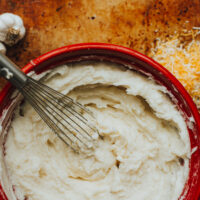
183 60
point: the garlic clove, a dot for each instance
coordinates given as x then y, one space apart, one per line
18 21
2 36
23 31
3 26
7 19
2 48
19 26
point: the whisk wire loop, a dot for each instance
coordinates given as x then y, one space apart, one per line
63 115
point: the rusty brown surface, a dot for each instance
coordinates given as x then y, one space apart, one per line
132 23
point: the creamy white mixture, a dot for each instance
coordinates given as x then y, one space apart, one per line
144 154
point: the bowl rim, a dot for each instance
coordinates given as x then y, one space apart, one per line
104 46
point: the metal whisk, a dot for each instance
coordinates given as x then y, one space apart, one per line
73 123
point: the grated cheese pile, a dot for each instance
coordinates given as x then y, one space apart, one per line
183 60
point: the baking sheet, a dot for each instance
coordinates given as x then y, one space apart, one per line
131 23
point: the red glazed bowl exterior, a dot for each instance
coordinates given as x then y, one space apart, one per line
135 61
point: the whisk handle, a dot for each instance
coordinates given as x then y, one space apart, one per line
11 72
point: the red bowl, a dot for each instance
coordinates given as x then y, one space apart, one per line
136 61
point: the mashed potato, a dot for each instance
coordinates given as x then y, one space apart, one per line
144 153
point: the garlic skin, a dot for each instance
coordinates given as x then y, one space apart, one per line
11 28
2 48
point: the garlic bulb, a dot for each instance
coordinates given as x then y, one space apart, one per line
2 48
11 28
